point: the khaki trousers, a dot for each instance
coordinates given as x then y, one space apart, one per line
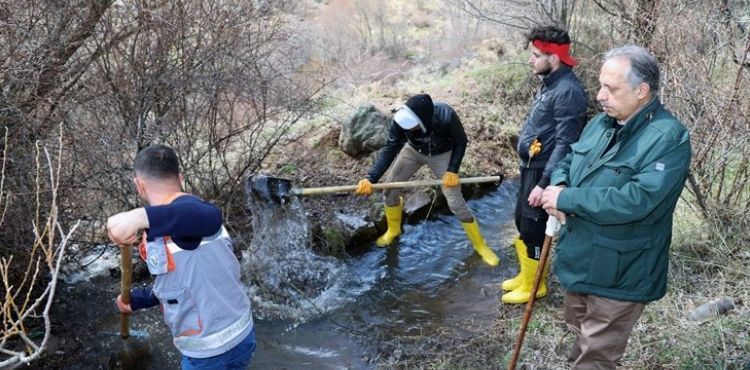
602 327
408 162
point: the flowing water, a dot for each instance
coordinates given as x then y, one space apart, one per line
314 312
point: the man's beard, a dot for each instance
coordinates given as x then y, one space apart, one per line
545 71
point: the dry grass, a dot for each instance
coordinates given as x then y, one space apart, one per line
662 339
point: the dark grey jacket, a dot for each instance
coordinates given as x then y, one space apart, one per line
556 118
445 133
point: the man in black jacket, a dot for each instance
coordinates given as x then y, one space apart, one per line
435 138
557 115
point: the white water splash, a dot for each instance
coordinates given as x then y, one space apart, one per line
286 280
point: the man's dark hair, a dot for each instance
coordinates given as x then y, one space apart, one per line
157 162
548 34
643 65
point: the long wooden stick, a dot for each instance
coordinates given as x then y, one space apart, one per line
126 281
392 185
552 226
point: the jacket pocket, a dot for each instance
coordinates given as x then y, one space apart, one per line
579 160
617 174
618 263
180 312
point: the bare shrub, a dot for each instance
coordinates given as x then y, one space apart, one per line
222 81
704 49
518 14
27 297
41 45
708 86
217 80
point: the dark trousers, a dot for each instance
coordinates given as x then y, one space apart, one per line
530 221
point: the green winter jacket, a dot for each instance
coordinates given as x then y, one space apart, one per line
615 243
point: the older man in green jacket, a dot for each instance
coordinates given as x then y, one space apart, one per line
616 193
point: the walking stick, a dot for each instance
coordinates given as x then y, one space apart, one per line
552 227
126 279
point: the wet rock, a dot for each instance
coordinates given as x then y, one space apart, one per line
353 222
364 132
360 225
345 233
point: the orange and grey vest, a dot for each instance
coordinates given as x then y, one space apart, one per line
204 302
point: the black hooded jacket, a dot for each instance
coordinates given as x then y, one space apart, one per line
556 118
444 133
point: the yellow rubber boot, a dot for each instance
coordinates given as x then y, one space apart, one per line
472 231
393 218
515 282
523 292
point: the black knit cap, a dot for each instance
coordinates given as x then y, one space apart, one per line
421 105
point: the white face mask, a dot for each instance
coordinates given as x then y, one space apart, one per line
407 119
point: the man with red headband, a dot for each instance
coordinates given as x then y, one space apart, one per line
554 122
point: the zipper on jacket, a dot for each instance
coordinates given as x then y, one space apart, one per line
610 136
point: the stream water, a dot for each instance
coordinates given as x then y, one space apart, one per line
327 313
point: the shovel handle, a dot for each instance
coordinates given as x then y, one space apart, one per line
392 185
126 281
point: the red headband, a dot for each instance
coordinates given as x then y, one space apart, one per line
561 50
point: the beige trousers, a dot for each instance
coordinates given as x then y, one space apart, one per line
602 327
408 162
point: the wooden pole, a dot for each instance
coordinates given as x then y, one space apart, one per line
126 281
392 185
552 226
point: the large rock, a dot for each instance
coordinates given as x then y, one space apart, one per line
365 132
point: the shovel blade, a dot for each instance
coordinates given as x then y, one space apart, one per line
267 188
